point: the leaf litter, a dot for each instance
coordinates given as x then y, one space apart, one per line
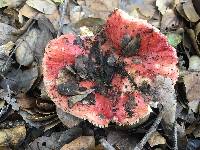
21 73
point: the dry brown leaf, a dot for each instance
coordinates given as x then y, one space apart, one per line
169 20
192 84
12 136
192 36
194 63
6 48
11 3
190 12
156 139
54 18
101 9
28 11
164 5
179 8
44 6
83 142
144 8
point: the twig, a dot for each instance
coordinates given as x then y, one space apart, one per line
6 63
106 145
64 8
23 29
153 128
175 146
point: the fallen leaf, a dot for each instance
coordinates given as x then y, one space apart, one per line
196 6
197 32
12 136
192 83
165 91
75 13
9 99
6 48
77 98
100 9
169 20
193 106
67 119
193 144
89 22
58 1
145 8
28 11
54 18
5 63
120 140
156 139
164 5
194 63
26 47
192 37
190 11
25 101
6 33
11 3
181 136
179 8
19 80
82 142
56 140
44 6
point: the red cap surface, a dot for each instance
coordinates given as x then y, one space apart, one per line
151 56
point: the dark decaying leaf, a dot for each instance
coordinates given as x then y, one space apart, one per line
193 144
77 98
67 119
56 140
19 80
5 33
120 140
4 110
5 63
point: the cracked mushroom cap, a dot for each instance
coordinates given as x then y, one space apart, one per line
144 53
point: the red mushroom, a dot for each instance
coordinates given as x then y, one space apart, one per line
89 79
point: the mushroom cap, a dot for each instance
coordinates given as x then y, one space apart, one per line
154 56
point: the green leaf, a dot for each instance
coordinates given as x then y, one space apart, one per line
174 39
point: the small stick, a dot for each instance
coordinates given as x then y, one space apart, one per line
64 8
23 29
175 146
153 128
106 145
